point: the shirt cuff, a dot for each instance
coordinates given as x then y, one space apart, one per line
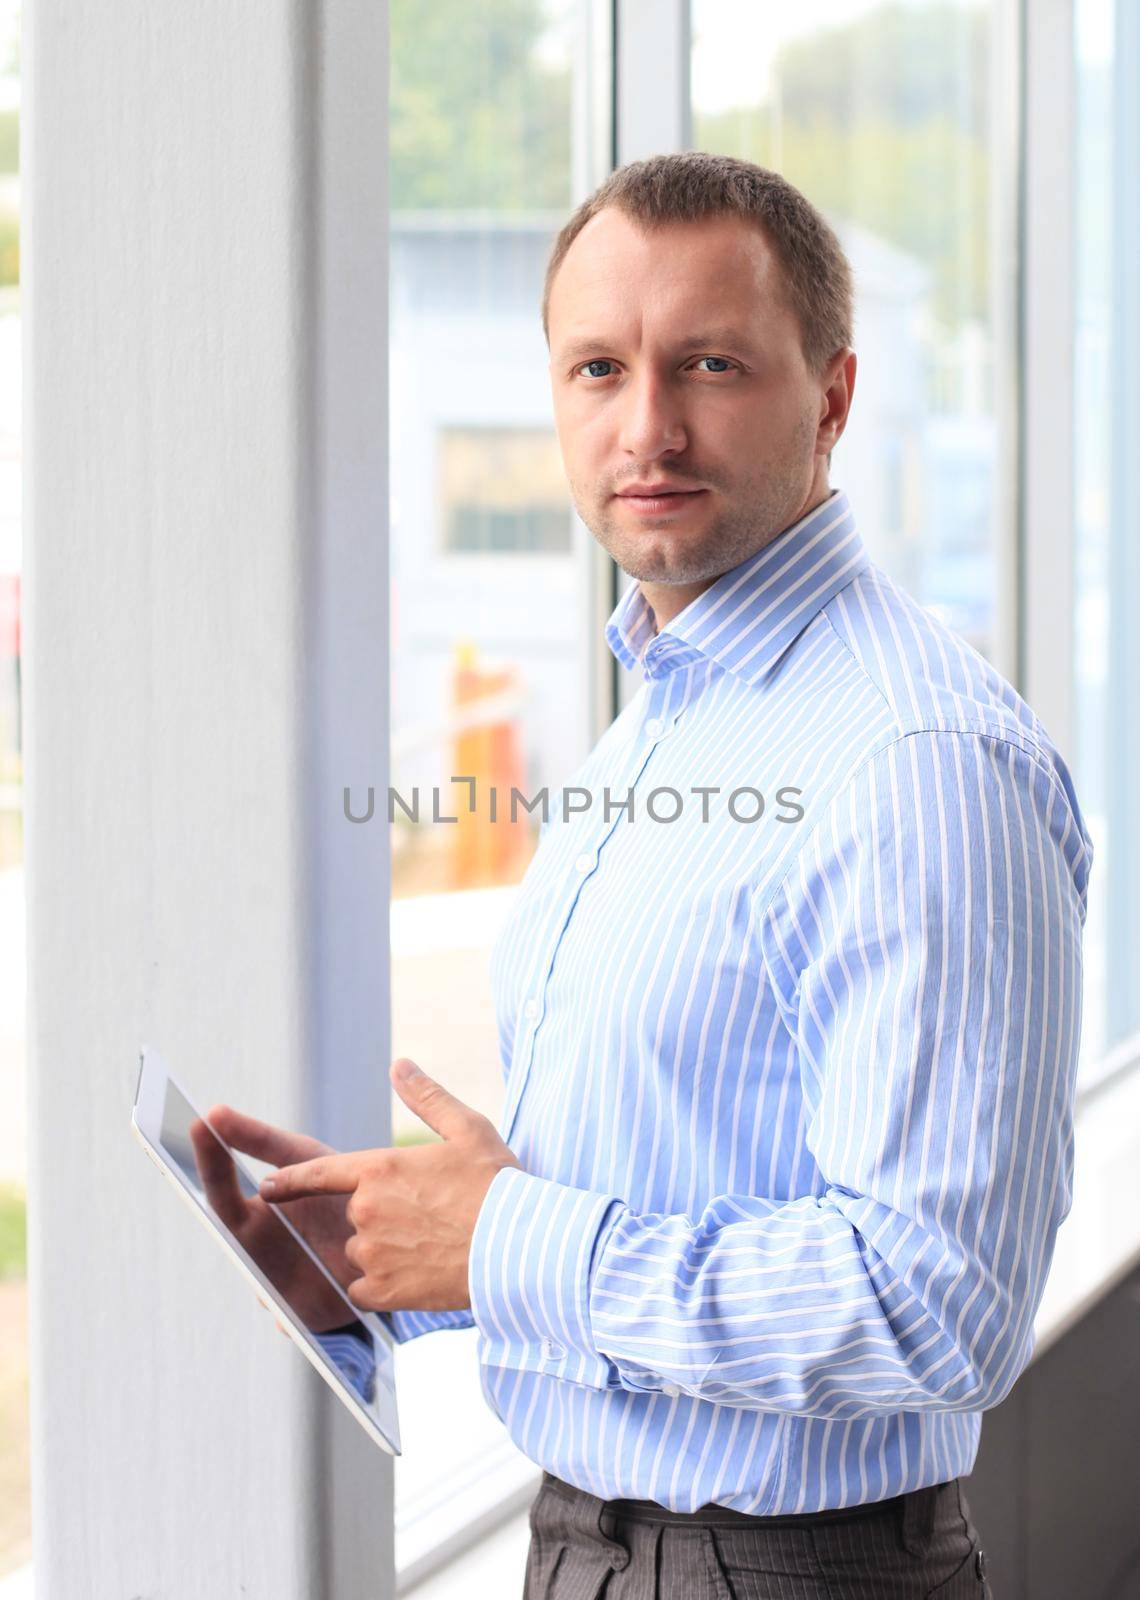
533 1253
405 1325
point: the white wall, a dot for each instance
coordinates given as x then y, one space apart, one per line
206 607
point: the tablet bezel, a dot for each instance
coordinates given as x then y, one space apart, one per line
146 1124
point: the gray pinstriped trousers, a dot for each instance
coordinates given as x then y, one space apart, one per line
915 1546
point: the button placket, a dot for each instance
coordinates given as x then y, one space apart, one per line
583 864
660 723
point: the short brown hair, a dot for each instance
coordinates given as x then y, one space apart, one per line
688 185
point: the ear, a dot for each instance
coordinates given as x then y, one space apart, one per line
838 389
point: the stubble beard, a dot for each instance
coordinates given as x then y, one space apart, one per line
659 552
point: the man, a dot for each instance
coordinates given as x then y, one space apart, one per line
788 1128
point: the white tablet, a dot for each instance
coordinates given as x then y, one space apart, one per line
353 1355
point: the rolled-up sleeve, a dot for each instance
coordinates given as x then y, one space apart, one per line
925 950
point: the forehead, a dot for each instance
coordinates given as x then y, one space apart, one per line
721 269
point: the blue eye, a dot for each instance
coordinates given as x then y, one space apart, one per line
604 361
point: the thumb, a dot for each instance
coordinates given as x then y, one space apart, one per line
432 1103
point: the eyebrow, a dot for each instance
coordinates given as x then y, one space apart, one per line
579 349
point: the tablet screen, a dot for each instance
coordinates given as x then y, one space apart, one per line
358 1354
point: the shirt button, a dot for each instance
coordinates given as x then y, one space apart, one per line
654 726
670 1389
530 1010
552 1351
584 862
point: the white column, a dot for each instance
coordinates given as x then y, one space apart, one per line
1048 272
652 47
205 634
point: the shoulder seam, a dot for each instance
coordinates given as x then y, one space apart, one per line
980 725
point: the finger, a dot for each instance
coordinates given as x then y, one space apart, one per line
261 1139
433 1104
336 1173
357 1292
219 1175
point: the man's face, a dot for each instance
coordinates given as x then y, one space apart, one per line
675 360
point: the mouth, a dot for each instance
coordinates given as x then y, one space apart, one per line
664 502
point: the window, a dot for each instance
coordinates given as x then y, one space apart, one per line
1107 516
882 115
500 124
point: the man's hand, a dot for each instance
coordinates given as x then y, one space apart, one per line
413 1210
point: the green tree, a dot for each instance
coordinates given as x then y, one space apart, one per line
884 121
477 121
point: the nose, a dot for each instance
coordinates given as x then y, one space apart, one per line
652 421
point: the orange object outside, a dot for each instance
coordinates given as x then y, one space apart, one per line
486 852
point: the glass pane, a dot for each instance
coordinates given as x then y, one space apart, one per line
499 127
1107 509
880 113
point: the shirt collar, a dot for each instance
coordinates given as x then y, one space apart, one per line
749 616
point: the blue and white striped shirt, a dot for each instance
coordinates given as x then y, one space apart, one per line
793 1096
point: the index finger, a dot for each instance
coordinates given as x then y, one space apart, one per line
261 1139
336 1173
